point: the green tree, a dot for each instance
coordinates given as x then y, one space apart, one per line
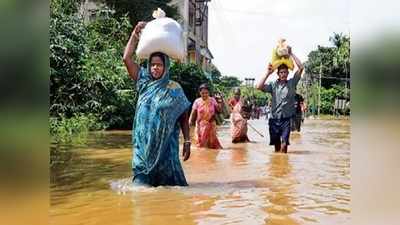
230 81
215 74
328 97
260 98
341 59
226 83
190 77
67 47
334 62
140 10
60 8
110 92
87 76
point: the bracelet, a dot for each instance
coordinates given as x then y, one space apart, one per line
187 142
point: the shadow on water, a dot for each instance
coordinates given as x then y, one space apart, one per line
301 152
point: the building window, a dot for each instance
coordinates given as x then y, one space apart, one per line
92 14
204 32
192 16
191 48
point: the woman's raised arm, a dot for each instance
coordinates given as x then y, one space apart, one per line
131 66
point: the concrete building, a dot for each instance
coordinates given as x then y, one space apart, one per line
88 9
194 19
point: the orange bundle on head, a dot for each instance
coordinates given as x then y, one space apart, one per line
280 55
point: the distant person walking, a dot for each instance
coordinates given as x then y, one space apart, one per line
296 120
240 115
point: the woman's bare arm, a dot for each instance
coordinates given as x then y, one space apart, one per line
130 48
192 117
184 122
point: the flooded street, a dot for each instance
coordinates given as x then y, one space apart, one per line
240 184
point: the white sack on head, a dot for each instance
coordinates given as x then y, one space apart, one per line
162 34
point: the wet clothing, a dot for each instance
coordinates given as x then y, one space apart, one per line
156 130
206 126
238 125
232 102
279 131
283 97
295 122
283 93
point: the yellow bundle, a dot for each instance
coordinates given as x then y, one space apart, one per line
280 55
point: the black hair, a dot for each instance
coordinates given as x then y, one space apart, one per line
282 66
158 54
204 86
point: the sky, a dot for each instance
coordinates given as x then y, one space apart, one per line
242 34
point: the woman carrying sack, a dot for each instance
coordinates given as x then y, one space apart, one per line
160 111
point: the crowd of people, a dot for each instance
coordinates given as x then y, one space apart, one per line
163 110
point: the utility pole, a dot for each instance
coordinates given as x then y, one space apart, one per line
250 83
345 82
252 86
306 90
319 88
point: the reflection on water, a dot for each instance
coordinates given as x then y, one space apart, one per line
241 184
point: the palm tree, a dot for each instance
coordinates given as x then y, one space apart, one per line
338 39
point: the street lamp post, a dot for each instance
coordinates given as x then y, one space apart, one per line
252 86
250 83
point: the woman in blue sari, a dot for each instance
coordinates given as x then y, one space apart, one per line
161 110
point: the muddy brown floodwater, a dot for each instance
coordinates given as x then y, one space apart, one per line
240 184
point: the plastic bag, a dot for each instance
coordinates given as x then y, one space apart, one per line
280 55
162 34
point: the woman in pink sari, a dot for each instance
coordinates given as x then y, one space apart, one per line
240 115
204 110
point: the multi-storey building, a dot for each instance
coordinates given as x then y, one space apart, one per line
194 21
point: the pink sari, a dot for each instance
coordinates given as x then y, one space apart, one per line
206 127
238 125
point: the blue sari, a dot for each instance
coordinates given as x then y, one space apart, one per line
156 130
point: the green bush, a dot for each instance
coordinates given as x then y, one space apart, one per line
65 129
190 77
87 76
258 97
110 91
67 47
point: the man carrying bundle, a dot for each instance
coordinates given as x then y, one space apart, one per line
283 92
